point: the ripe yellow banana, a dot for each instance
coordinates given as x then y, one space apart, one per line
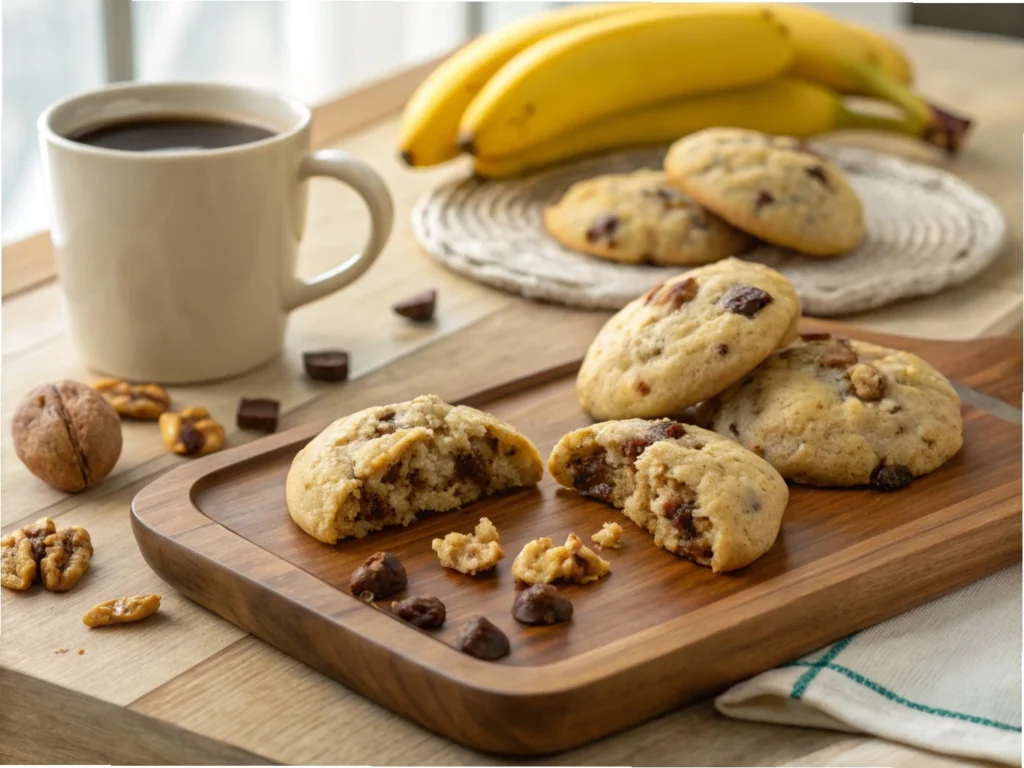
430 121
624 61
786 106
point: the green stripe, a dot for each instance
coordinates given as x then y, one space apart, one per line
815 667
800 687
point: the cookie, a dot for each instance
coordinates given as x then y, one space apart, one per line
773 187
638 218
687 340
384 465
701 496
828 411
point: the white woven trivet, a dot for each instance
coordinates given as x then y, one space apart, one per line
926 231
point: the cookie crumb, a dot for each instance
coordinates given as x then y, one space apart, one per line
608 537
81 651
470 553
541 562
61 650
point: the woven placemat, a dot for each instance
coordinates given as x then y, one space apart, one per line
926 231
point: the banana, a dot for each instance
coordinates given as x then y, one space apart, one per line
624 61
430 121
786 106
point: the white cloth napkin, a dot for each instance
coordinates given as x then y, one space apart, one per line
945 676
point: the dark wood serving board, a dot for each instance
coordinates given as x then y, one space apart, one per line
656 634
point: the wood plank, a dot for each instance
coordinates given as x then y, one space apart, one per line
27 264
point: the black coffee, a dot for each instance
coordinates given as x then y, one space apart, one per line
169 134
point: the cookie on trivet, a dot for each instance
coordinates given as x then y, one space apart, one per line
384 465
771 186
828 411
700 495
638 218
686 340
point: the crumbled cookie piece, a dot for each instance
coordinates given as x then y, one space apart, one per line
541 604
122 610
541 562
382 575
66 558
137 401
608 536
422 612
470 553
193 432
21 553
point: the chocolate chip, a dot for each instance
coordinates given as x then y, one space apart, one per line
643 387
326 365
541 604
604 227
722 349
382 575
745 300
818 172
667 430
192 438
394 472
422 612
764 197
418 308
472 468
590 475
890 477
838 355
373 507
680 514
632 448
480 638
815 336
257 413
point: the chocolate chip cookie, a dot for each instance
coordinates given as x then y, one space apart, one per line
638 218
773 187
701 496
384 465
828 411
686 340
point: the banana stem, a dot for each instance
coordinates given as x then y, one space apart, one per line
945 130
850 119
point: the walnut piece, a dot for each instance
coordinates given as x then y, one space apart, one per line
868 382
138 401
541 562
608 536
470 553
68 552
122 610
22 551
193 432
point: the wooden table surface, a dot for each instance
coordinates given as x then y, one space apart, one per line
187 686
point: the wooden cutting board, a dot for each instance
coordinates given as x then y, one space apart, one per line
656 634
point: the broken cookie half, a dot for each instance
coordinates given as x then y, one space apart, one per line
701 496
385 465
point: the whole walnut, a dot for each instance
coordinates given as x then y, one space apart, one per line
67 435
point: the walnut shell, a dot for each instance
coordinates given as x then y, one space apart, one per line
67 435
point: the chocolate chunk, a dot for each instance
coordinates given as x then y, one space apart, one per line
394 472
603 228
633 448
680 514
257 413
326 365
590 475
818 172
373 507
815 336
682 292
418 308
382 575
838 355
660 431
192 438
764 197
472 468
422 612
541 604
480 638
722 349
643 387
890 477
745 300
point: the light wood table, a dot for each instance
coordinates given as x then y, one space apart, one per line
187 686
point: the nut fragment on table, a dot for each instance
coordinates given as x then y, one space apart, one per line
66 558
67 435
21 553
122 610
422 612
541 562
193 432
470 553
137 401
608 537
381 575
541 604
480 638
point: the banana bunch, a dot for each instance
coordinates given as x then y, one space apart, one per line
590 78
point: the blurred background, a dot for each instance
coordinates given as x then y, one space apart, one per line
312 49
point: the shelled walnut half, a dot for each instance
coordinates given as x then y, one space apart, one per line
193 432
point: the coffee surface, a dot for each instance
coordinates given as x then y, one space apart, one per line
170 134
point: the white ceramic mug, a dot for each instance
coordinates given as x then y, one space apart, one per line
180 267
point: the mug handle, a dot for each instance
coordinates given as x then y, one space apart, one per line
369 185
